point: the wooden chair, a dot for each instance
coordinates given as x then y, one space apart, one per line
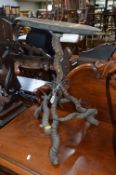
6 30
41 39
110 83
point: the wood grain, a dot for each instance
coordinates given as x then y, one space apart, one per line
86 83
23 138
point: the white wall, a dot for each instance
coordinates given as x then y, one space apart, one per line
8 2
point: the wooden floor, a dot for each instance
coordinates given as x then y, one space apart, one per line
24 148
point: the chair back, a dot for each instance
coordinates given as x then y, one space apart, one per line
41 39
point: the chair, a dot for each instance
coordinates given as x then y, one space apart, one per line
41 39
38 38
110 83
6 34
6 31
102 52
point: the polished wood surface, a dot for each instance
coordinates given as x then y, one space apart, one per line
87 83
84 150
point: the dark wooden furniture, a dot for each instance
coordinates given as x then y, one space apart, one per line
40 38
109 78
6 31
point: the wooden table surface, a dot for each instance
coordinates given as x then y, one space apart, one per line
24 148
